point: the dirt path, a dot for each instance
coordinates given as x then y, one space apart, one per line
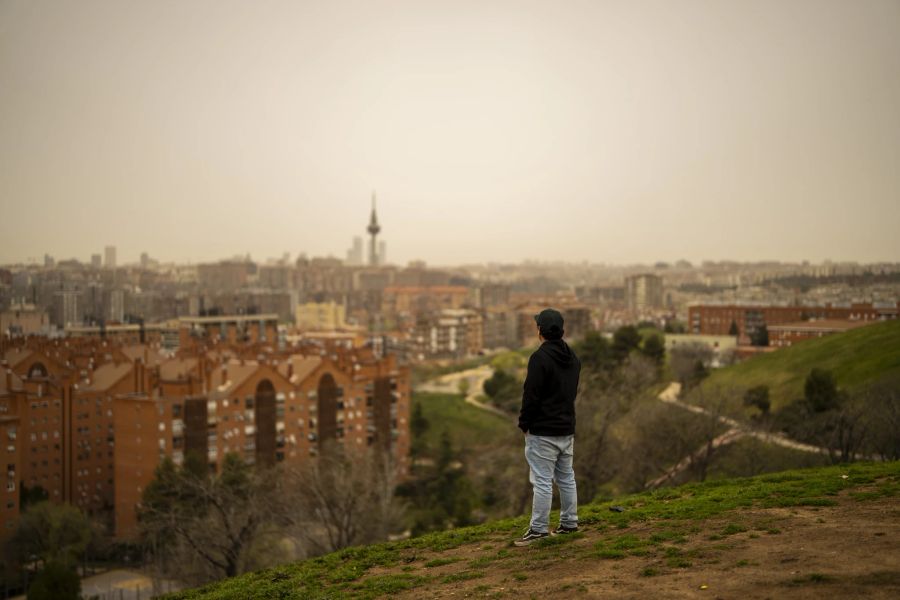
735 432
449 384
851 550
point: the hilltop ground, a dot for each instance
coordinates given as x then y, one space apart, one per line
831 532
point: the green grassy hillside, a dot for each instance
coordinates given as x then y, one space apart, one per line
776 535
468 426
856 358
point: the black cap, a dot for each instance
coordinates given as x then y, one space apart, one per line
550 322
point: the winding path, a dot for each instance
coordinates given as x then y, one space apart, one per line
736 431
449 384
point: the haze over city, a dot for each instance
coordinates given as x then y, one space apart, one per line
600 131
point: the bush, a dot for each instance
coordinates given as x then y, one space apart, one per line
56 582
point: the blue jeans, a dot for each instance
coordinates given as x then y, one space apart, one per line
550 458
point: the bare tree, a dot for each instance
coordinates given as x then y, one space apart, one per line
344 498
683 439
603 400
202 527
883 407
687 362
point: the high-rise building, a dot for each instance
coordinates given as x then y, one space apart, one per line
110 254
145 260
96 261
643 292
382 252
117 306
68 307
355 254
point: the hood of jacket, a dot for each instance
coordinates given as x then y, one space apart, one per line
559 351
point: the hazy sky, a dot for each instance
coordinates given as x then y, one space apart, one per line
602 131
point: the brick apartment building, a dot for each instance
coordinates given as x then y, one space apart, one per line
448 333
788 334
88 420
234 329
576 317
397 300
718 319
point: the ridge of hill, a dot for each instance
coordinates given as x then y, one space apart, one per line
856 358
808 533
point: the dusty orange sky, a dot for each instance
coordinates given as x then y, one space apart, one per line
601 131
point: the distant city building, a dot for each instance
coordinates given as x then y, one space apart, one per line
643 292
225 275
49 263
68 308
233 329
96 261
117 306
490 294
382 252
23 319
576 317
747 319
722 346
277 277
788 334
500 327
415 300
145 260
355 253
448 333
320 316
606 295
110 257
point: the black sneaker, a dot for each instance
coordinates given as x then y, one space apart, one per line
562 530
529 538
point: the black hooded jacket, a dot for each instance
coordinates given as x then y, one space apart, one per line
548 398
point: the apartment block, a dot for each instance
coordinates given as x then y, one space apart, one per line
718 319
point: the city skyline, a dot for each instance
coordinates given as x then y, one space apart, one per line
606 132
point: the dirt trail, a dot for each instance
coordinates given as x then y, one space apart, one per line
735 432
449 384
851 550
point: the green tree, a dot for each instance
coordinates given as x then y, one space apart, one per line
595 352
625 340
733 330
444 496
758 396
820 391
418 425
760 337
53 533
503 389
699 373
29 496
56 581
654 348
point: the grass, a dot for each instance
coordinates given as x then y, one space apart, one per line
856 358
665 526
468 426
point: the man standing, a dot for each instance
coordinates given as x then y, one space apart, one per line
548 420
